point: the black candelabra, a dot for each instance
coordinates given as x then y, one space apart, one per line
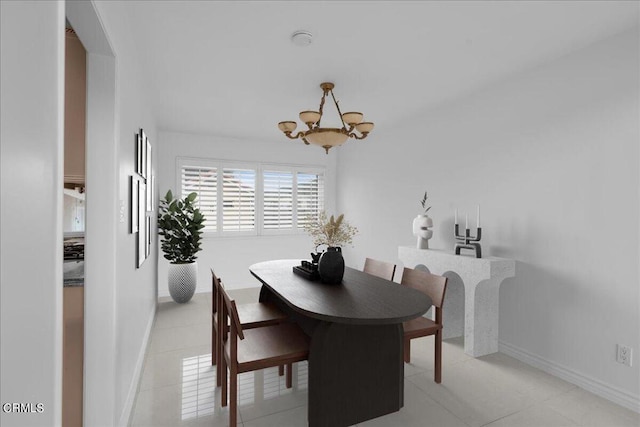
468 241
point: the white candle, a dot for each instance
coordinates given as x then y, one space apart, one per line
466 221
478 218
456 217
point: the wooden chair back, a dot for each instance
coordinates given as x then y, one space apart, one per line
230 312
384 270
215 285
430 284
216 323
433 286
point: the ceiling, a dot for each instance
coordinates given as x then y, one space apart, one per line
229 68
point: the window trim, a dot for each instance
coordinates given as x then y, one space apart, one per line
259 168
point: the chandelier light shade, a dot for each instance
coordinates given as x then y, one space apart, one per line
352 125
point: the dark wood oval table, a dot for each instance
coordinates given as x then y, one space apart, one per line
356 368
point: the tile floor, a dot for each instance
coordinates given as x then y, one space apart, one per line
178 386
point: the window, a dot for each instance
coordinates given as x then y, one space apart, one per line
238 199
291 197
310 196
277 196
253 199
202 180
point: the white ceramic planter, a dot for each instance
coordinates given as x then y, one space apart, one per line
421 229
183 279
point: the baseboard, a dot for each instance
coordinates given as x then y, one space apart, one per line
125 416
204 289
606 391
200 289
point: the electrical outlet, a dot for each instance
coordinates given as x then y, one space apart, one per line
624 355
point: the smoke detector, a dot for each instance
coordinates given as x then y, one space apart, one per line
301 38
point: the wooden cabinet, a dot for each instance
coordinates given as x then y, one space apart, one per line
75 101
72 356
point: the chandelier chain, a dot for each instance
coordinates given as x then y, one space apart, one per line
324 94
339 112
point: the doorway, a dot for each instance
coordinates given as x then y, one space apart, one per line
73 228
101 177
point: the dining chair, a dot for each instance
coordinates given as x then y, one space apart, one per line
259 348
381 269
251 315
433 286
214 318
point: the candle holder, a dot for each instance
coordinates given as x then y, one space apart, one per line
468 241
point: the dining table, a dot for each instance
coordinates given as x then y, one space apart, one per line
356 368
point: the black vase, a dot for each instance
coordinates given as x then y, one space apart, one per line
331 266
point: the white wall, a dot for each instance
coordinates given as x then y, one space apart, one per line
552 157
32 96
135 288
32 142
231 257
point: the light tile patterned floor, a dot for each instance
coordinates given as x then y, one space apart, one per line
178 386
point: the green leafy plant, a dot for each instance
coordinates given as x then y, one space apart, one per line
180 223
331 231
423 202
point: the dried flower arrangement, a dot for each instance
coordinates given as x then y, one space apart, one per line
333 232
423 202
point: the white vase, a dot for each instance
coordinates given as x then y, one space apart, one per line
422 230
183 279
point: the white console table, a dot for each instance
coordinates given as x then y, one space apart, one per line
481 278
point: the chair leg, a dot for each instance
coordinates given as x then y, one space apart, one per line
214 345
223 379
438 358
219 365
233 396
289 379
407 350
281 370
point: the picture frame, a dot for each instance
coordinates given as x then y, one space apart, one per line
141 240
142 200
143 154
133 205
149 203
147 159
147 248
138 156
153 192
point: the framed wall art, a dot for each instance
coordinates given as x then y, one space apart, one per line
133 205
149 195
141 190
138 157
142 224
147 158
147 248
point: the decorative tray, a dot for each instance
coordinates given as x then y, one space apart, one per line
307 270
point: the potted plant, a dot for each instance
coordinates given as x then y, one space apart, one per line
180 223
334 233
422 225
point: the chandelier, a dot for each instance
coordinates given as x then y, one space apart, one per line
328 137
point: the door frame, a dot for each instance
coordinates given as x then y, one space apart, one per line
101 179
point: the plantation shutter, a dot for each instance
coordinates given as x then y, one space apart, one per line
277 200
202 180
310 196
238 199
229 200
